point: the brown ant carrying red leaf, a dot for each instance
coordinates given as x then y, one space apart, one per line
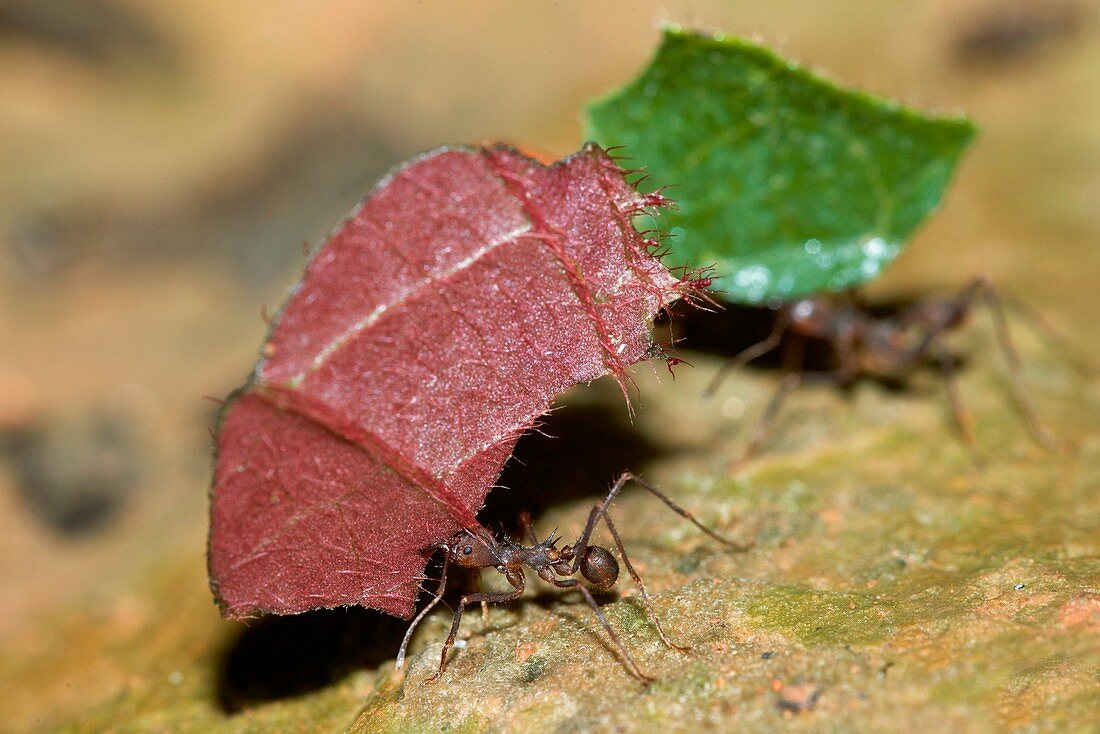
479 549
463 295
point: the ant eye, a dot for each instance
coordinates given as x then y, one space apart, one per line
468 550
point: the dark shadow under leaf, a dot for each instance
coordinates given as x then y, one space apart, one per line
285 657
577 453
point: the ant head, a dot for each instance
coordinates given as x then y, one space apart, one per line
812 316
474 551
599 567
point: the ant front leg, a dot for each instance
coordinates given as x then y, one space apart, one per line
477 588
424 612
958 410
782 323
517 582
527 529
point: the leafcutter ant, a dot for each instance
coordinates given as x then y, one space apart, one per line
887 348
596 565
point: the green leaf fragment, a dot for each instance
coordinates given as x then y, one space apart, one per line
787 183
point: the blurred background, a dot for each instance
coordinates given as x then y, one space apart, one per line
162 164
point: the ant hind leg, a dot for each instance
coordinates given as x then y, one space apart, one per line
671 504
646 599
1038 432
958 411
1080 361
631 665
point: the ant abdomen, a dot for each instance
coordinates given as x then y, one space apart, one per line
599 567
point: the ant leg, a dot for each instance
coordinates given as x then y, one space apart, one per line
484 604
424 612
958 410
1040 435
1081 362
579 547
631 665
848 355
681 512
641 587
491 597
747 355
593 516
764 425
601 510
792 378
528 528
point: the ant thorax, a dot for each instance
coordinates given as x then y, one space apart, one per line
484 551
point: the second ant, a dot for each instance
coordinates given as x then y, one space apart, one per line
888 347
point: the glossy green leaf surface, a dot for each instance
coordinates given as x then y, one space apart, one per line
787 183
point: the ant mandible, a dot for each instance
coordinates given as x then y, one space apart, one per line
480 549
884 347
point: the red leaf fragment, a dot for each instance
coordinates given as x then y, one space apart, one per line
466 292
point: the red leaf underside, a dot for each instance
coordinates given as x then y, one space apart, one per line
465 293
